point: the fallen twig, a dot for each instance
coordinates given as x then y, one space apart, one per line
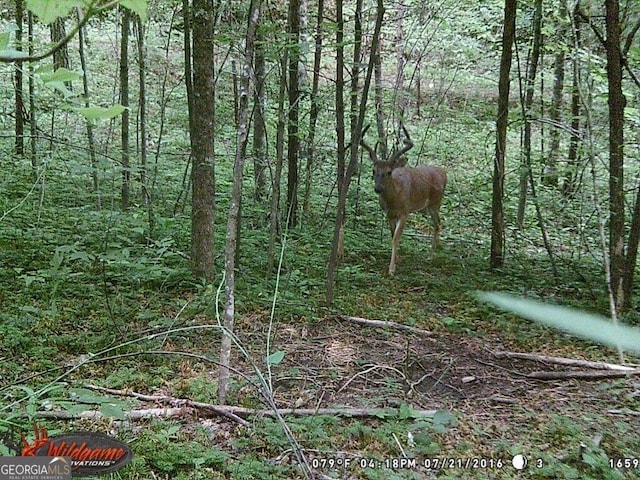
565 361
385 324
581 375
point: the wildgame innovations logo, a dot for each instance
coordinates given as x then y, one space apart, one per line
35 468
89 453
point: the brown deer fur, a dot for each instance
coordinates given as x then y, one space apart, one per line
402 190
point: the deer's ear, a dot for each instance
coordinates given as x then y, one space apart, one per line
401 162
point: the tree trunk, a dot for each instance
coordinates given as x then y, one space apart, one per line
259 147
33 119
550 172
530 81
142 116
343 182
400 63
570 174
616 152
19 144
60 55
202 141
379 103
497 209
274 218
313 114
124 101
340 151
236 196
294 104
86 96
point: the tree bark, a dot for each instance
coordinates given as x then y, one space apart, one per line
315 107
124 101
274 217
236 196
550 173
344 181
202 141
294 104
86 96
570 174
142 116
61 55
616 103
259 147
530 80
400 63
497 209
19 96
379 103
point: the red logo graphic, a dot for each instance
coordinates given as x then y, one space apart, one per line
91 453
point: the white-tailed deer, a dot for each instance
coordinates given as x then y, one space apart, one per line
402 190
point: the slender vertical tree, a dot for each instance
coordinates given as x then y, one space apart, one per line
236 195
569 177
497 209
315 107
259 147
616 101
347 174
86 96
124 101
142 111
294 105
274 216
527 106
19 99
550 173
201 112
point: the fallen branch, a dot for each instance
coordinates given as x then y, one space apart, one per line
624 411
176 402
384 324
131 415
236 413
565 361
581 375
239 411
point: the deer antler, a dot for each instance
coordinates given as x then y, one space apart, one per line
408 145
372 152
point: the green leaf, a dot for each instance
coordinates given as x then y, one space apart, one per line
98 113
47 10
579 323
137 6
405 412
442 420
5 36
112 410
61 75
275 358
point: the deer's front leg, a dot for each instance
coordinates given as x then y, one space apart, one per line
395 243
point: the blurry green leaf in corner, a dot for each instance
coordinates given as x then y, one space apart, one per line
576 322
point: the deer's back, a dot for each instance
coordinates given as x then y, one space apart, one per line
416 188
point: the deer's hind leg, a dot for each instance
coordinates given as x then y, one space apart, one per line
434 213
